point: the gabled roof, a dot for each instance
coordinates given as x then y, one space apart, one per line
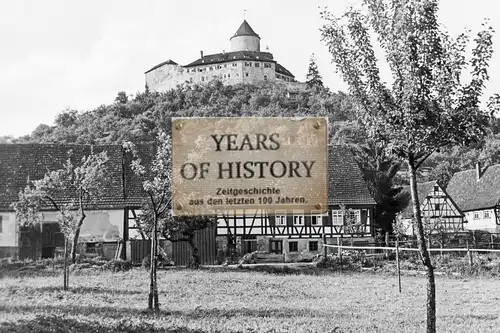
423 190
282 70
345 181
20 162
232 56
245 30
168 62
470 194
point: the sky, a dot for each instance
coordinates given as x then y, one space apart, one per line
59 54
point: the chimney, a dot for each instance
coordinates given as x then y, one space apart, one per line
478 171
201 54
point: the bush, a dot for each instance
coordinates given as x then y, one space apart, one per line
250 258
117 265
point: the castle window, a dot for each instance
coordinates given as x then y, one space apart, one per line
247 64
225 65
202 78
235 64
200 69
246 74
267 65
265 77
237 74
257 64
228 75
211 68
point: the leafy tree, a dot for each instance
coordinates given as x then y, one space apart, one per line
183 229
70 191
313 77
379 171
156 208
427 106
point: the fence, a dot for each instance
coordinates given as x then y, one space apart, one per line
397 248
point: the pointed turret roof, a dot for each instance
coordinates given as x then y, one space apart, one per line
245 30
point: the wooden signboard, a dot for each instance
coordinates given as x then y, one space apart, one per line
228 164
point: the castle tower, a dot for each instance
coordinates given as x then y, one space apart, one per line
245 39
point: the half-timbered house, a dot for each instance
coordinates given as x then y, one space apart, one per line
439 210
477 193
113 219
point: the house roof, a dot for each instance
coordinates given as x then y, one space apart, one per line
232 56
245 30
471 194
423 189
345 181
282 70
22 162
168 62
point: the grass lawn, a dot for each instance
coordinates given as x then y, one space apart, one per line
245 301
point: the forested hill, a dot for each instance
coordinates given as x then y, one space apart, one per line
138 118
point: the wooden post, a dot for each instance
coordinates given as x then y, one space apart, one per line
386 244
469 254
397 265
352 240
491 241
339 243
325 250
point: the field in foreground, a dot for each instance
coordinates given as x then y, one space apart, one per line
243 301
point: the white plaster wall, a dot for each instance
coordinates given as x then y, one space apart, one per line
482 223
8 236
102 225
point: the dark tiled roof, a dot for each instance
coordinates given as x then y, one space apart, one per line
20 162
282 70
245 30
470 194
232 56
346 185
423 189
168 62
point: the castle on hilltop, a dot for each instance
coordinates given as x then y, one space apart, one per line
244 64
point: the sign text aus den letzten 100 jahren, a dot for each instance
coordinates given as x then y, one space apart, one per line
248 164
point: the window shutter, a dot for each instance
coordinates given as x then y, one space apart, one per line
307 220
289 220
364 216
328 220
272 220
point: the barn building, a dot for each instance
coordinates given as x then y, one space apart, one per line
113 219
477 193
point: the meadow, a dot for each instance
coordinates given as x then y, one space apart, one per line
231 300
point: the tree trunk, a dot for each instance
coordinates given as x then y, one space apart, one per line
153 287
66 273
76 235
194 261
424 253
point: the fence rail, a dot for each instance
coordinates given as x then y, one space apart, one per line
409 248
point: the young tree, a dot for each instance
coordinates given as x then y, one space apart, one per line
156 208
69 191
313 77
183 229
427 106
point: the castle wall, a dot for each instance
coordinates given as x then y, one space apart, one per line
245 43
251 72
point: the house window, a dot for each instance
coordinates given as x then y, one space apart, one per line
436 207
298 219
280 218
337 217
476 215
486 214
257 64
313 245
293 246
436 188
316 219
